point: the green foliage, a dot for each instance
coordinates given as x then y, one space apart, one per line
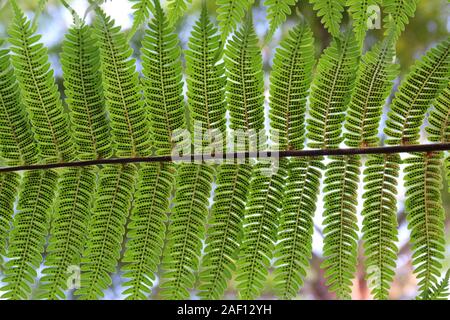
206 86
39 92
245 85
330 92
106 230
123 99
330 12
9 184
162 82
426 79
176 8
440 291
360 12
277 10
186 230
29 231
80 60
142 9
17 144
230 13
398 13
146 231
69 228
224 235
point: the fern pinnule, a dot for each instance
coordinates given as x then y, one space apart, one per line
331 13
224 235
17 145
230 13
427 78
69 229
162 82
331 92
39 91
142 9
9 186
129 123
147 228
440 291
176 9
186 230
28 234
361 11
294 247
106 229
290 81
245 85
277 10
206 87
80 60
398 13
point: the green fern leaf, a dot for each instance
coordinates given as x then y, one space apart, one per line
360 12
17 144
107 228
39 91
146 231
9 184
80 60
142 9
186 230
206 86
28 235
277 10
162 82
330 92
296 226
416 93
330 11
245 85
68 232
122 92
440 291
230 13
224 234
176 10
398 13
290 80
438 128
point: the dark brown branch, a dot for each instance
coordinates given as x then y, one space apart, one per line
241 155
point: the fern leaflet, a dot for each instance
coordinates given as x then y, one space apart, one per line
277 10
398 13
230 13
330 12
176 9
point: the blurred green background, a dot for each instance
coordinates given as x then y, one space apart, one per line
430 25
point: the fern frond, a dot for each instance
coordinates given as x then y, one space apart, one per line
289 84
28 235
68 231
296 226
39 91
162 82
245 85
260 229
380 222
142 9
80 60
146 231
331 13
416 93
17 145
277 10
425 216
230 13
438 128
176 10
330 92
398 13
440 291
360 13
206 86
106 230
9 184
129 124
186 230
224 234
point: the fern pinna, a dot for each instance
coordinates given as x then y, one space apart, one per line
176 230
